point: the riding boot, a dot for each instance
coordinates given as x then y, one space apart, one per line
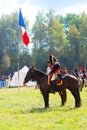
52 89
60 76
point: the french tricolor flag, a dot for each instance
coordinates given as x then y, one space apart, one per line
25 37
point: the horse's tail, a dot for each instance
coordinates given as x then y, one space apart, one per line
63 96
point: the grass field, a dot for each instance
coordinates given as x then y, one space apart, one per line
23 109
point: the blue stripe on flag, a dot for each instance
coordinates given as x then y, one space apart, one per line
21 20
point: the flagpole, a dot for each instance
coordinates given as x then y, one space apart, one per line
25 38
18 73
18 66
18 58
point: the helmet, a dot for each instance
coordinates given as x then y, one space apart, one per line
52 59
76 70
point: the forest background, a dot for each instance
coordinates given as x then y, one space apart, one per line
63 36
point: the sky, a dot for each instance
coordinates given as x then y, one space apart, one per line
31 7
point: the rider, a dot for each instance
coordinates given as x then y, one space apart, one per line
55 72
65 71
76 73
84 75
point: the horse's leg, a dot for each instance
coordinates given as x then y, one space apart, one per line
76 95
82 85
78 103
46 99
63 96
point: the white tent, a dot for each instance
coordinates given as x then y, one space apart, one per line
15 81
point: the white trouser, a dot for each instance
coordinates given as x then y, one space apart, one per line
53 75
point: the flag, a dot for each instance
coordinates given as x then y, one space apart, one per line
25 37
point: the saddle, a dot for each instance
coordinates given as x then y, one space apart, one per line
59 82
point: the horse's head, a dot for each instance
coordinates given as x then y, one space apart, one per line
30 75
34 74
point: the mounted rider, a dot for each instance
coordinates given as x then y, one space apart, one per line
54 73
76 73
65 71
83 74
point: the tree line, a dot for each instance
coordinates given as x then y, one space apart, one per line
63 36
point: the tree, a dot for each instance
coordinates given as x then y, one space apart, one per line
5 64
39 39
10 40
74 44
56 36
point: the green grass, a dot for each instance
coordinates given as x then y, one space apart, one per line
23 109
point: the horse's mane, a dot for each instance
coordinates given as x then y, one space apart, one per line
40 73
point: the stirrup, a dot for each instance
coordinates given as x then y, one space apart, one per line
59 82
52 90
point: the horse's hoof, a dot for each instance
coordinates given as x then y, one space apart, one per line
71 108
61 105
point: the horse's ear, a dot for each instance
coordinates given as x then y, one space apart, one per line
32 67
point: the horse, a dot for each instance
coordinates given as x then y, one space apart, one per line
69 82
80 83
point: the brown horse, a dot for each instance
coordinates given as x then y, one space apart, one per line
69 82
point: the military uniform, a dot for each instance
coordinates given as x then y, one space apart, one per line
84 75
55 73
65 71
76 73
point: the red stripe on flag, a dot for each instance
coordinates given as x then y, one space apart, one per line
26 39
